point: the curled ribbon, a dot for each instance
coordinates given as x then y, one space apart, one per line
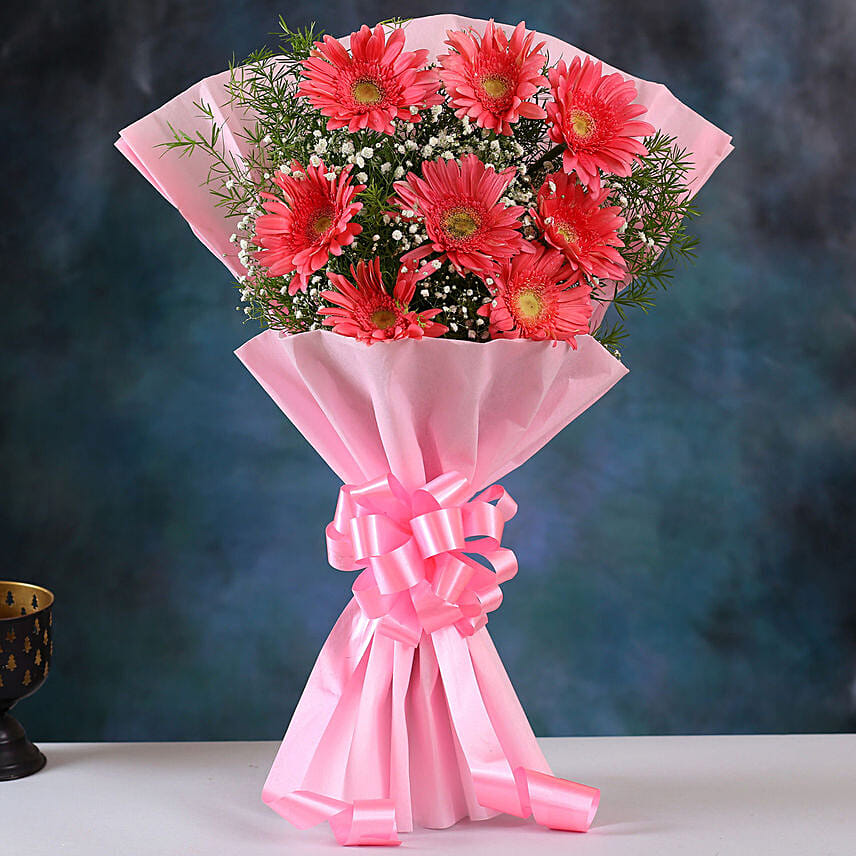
363 822
416 552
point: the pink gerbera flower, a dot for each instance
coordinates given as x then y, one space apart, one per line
376 82
534 298
366 311
491 80
593 115
573 221
311 220
459 203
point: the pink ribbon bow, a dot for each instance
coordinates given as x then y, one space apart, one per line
416 548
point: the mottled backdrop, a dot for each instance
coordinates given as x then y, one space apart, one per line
687 545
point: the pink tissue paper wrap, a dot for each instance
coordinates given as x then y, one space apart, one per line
408 717
376 707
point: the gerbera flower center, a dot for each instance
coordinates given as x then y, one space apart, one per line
367 92
461 223
582 123
529 304
321 223
383 319
568 232
495 86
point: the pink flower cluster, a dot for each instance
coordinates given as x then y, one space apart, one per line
539 286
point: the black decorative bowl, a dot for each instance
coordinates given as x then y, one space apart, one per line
25 656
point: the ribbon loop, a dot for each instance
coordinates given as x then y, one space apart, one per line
414 550
362 822
366 822
556 803
439 531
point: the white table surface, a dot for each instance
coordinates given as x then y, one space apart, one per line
700 796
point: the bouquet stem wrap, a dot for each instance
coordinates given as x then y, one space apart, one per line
408 717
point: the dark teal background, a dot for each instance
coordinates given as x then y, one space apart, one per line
686 545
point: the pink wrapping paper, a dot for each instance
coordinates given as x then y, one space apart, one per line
374 708
390 734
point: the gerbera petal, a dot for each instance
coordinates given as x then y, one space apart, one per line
534 298
364 309
366 87
572 220
459 203
489 78
315 220
593 115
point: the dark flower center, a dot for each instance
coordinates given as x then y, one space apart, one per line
383 319
568 232
460 223
321 223
495 86
582 123
529 304
367 92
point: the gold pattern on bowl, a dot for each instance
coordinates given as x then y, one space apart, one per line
25 639
17 599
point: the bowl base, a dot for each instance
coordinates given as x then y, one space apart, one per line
18 756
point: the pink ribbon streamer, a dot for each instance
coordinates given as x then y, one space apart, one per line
420 581
516 790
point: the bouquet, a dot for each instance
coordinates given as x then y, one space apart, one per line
431 219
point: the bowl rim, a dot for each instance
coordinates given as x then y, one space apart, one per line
32 586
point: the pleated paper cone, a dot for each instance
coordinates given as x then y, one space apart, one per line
437 729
